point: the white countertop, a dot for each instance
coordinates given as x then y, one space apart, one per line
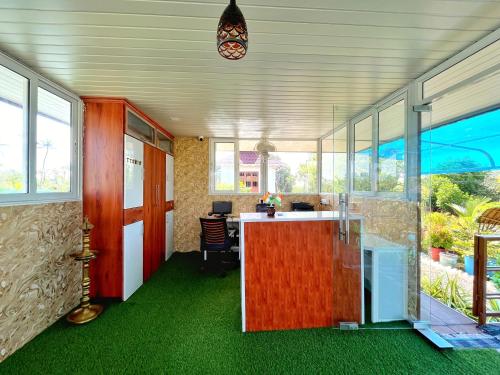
248 217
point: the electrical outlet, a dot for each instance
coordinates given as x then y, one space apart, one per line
325 201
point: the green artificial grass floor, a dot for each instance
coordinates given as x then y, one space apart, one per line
184 322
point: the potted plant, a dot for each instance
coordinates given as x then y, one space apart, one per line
441 239
272 200
469 264
466 249
448 258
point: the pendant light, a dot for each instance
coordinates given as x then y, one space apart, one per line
232 34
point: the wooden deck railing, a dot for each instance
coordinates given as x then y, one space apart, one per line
481 269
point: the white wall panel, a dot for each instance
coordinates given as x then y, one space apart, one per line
303 56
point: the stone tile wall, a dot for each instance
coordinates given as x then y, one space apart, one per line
39 282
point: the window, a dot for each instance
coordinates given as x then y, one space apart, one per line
327 164
473 65
340 160
224 166
391 148
14 131
39 138
53 143
249 163
293 167
334 162
362 155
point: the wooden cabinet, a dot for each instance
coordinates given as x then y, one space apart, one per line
155 207
106 121
297 274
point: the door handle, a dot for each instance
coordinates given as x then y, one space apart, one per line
344 217
341 217
347 227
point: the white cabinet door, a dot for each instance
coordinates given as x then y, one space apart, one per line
169 191
133 235
169 238
386 277
391 284
133 161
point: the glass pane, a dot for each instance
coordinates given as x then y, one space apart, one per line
340 160
460 174
250 174
391 148
164 143
53 143
139 129
483 59
327 174
293 168
461 103
224 166
14 139
362 155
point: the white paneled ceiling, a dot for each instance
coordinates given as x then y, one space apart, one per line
303 57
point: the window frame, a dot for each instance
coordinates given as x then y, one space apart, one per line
376 165
458 58
36 81
374 111
211 173
352 152
263 167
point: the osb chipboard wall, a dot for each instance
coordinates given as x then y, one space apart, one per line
192 200
39 282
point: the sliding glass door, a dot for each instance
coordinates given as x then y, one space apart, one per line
460 181
378 216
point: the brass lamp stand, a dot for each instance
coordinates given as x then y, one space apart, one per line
86 312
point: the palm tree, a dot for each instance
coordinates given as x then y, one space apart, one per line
47 144
466 224
472 208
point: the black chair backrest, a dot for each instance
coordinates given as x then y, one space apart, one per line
214 231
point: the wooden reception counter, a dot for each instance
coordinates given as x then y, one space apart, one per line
296 273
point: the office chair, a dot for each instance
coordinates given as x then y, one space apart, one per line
214 238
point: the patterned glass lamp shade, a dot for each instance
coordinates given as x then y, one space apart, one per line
232 34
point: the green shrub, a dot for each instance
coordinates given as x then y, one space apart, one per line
438 191
441 238
437 220
448 290
496 279
448 194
